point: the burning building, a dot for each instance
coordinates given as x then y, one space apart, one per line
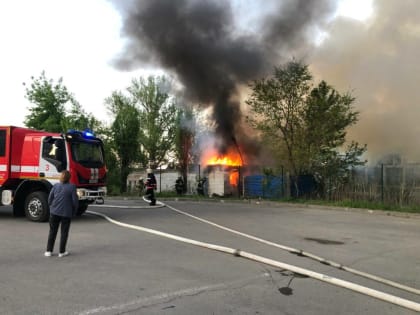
223 173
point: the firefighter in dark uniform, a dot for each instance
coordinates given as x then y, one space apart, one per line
179 185
151 187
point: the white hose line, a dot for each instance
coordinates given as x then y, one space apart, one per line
161 205
303 253
287 248
315 275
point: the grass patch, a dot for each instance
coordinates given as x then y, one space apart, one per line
361 204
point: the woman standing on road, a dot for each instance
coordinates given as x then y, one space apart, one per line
63 204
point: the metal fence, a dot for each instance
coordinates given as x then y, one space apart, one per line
260 186
388 184
385 183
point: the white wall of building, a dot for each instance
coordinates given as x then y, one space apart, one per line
165 181
217 181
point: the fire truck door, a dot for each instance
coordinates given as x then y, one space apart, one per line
53 158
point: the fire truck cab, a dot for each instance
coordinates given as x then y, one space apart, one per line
31 162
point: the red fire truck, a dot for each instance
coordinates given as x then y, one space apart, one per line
31 162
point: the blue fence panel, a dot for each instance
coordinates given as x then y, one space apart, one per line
264 186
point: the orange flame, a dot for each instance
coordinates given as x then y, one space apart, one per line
234 178
224 160
230 159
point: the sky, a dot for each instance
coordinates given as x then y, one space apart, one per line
71 39
369 48
76 40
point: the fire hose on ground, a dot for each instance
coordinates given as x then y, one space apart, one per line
300 252
315 275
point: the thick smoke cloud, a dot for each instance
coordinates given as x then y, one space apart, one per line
200 41
378 62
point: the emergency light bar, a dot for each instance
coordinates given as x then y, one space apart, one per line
87 133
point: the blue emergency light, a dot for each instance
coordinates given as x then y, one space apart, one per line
87 133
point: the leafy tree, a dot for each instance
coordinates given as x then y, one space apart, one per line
49 111
184 140
77 118
306 125
157 114
113 177
277 104
49 98
326 117
124 129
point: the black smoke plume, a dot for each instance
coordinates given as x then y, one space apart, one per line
203 44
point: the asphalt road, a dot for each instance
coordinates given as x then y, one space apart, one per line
119 270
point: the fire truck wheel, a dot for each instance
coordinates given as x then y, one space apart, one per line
36 206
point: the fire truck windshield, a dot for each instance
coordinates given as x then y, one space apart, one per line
88 154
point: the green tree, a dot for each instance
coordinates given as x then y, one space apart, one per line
77 118
113 177
326 116
306 125
49 99
277 104
157 114
184 140
124 130
55 108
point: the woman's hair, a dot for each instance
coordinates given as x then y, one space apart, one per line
65 176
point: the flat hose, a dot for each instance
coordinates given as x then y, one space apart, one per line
239 253
304 253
